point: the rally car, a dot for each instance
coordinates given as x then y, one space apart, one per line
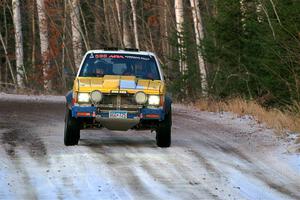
119 90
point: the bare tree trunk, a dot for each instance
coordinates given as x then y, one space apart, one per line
18 42
167 52
86 36
7 59
33 35
136 37
112 23
5 42
164 27
43 28
117 3
198 26
117 23
126 34
76 35
64 47
107 24
179 17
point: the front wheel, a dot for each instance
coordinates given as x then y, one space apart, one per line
72 130
163 132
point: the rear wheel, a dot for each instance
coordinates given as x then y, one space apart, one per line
163 132
72 130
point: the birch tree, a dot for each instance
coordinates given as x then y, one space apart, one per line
43 29
136 37
117 3
125 24
179 17
18 42
198 27
243 12
76 32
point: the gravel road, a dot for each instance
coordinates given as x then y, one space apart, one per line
213 156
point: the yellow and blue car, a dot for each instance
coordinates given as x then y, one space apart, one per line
119 90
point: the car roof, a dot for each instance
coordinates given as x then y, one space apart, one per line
144 53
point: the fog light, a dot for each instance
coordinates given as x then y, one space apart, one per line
96 96
140 97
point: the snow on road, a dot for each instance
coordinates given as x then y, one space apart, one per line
213 156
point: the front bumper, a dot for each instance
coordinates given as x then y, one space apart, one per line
141 114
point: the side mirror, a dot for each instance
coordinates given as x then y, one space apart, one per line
69 73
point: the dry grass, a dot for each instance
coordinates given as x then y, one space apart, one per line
281 121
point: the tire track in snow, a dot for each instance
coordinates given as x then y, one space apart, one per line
209 159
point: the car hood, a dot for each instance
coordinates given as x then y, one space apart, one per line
108 83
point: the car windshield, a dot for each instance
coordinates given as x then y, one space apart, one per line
141 66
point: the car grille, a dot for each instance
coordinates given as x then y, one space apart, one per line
119 101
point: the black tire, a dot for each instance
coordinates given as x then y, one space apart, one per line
163 132
72 130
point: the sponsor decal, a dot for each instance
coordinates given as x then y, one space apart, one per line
101 56
137 57
118 56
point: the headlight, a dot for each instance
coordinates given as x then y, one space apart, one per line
96 96
83 97
153 100
140 97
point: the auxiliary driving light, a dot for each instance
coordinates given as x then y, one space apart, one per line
140 97
96 96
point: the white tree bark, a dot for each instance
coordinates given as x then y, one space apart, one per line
243 12
179 17
126 34
18 42
117 3
259 10
136 37
44 34
198 26
76 35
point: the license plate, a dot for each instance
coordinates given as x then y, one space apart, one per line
118 114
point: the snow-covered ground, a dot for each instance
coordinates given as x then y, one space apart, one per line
31 98
213 156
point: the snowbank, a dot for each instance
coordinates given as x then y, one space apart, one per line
31 98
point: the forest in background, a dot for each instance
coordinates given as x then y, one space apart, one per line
211 49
